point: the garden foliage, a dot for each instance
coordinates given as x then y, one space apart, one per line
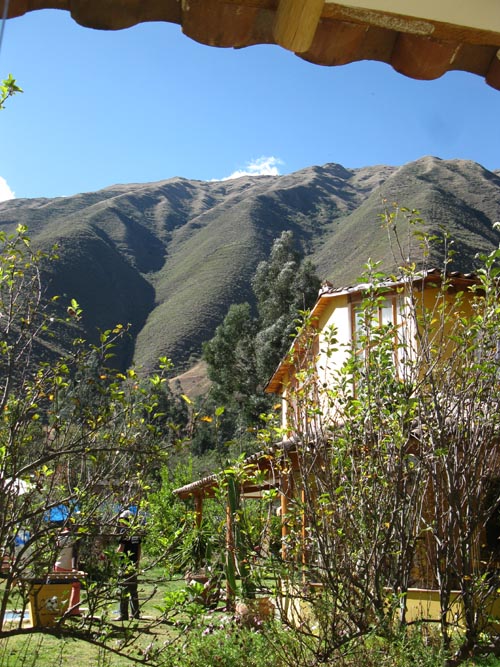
396 465
79 442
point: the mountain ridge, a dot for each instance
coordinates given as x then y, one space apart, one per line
170 257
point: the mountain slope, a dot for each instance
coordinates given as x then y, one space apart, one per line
170 257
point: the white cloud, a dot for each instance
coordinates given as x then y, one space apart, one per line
5 191
262 166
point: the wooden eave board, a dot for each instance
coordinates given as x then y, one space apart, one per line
207 486
326 33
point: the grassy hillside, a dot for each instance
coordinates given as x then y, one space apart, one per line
170 257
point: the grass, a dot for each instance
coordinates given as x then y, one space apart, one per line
45 651
230 647
41 650
214 640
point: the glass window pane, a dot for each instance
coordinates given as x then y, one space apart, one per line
386 313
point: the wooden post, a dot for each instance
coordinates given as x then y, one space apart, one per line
198 508
229 550
230 543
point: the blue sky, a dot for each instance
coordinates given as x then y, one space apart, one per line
147 104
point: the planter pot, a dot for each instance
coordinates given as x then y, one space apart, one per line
210 594
49 599
254 612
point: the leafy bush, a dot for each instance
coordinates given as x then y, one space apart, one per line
222 643
418 647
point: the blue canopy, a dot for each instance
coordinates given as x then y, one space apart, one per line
59 513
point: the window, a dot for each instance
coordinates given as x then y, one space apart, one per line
383 314
378 334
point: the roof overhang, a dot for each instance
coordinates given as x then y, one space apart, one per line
422 39
457 280
249 488
266 462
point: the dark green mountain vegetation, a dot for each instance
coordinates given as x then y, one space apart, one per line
171 257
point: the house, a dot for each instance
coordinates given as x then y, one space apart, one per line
393 386
398 301
420 444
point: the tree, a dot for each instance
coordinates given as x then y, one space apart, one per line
230 354
230 357
79 441
8 87
284 286
245 349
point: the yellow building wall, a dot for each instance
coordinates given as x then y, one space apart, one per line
423 604
337 316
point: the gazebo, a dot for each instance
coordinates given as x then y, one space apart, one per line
260 472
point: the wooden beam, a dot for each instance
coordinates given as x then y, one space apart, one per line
295 23
198 508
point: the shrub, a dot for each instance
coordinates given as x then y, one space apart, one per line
223 643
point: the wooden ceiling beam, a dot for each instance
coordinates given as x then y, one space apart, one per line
296 22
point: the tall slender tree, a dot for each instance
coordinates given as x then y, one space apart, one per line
246 348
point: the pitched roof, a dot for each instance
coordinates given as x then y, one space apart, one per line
264 461
419 38
327 292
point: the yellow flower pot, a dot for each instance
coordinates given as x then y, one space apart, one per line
49 599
